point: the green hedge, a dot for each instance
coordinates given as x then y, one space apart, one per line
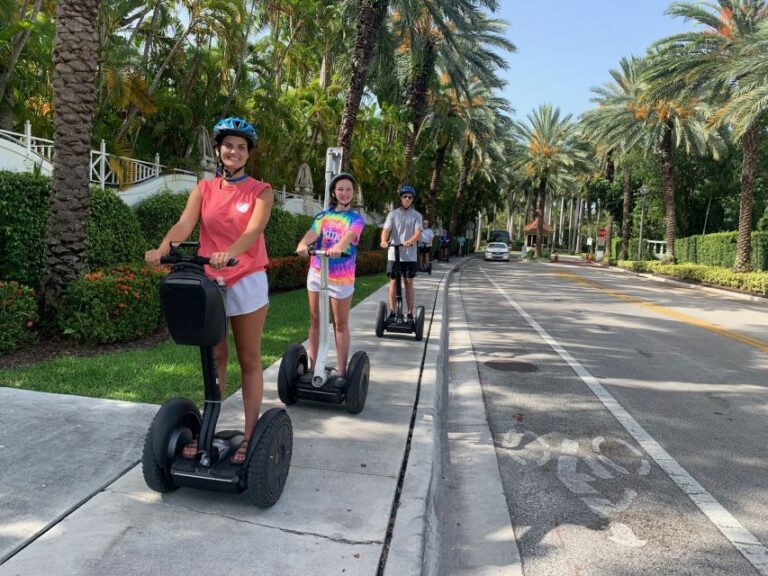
116 304
756 282
18 314
720 249
158 213
114 232
24 202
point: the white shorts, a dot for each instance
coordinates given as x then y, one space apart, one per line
248 294
337 292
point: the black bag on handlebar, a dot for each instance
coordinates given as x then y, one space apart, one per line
193 306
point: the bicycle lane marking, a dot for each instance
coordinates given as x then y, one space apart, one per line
754 342
741 538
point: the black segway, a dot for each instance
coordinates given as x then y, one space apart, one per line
323 384
398 323
193 306
428 267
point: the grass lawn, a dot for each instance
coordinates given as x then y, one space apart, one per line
155 374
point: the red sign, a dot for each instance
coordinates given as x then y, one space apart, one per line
602 233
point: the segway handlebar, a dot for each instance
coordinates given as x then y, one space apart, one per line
175 256
312 251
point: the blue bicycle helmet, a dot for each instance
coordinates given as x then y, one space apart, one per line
407 189
235 127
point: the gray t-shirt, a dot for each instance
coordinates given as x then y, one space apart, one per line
402 225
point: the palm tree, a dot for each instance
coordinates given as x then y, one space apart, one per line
633 119
551 149
702 63
613 99
453 37
484 130
74 58
369 19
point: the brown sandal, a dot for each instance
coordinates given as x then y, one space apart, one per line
239 456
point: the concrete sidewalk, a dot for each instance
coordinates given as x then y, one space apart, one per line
333 517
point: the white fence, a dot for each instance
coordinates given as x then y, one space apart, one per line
106 169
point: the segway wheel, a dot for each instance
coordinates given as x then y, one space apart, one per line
358 374
175 424
292 366
270 462
419 323
381 319
429 270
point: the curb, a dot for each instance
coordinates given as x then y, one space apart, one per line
412 550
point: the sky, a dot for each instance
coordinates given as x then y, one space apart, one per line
565 47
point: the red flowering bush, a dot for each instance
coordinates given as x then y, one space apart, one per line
287 273
18 314
371 262
115 304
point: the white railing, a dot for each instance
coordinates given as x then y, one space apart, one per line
106 169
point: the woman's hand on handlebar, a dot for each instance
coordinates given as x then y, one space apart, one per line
407 243
218 260
302 250
152 257
384 244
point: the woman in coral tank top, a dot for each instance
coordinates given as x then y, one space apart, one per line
233 210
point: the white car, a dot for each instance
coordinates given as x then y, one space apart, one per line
497 251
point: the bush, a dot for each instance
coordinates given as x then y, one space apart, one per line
370 262
282 233
24 202
287 272
158 213
369 240
720 249
756 282
114 233
116 304
18 314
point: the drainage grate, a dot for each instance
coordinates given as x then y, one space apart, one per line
511 366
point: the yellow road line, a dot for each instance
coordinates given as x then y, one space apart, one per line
754 342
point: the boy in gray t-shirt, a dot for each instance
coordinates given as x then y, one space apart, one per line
403 226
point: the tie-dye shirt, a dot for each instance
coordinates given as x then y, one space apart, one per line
330 226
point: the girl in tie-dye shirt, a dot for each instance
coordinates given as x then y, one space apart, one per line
335 230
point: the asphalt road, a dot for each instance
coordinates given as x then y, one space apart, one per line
629 418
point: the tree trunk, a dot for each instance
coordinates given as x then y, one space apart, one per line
749 147
369 21
539 214
434 182
668 187
626 216
610 166
463 172
417 97
74 75
609 239
18 41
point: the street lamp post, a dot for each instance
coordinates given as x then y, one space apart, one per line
643 193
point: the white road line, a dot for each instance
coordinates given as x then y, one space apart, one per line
744 541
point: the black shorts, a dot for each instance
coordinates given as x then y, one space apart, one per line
407 269
425 248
